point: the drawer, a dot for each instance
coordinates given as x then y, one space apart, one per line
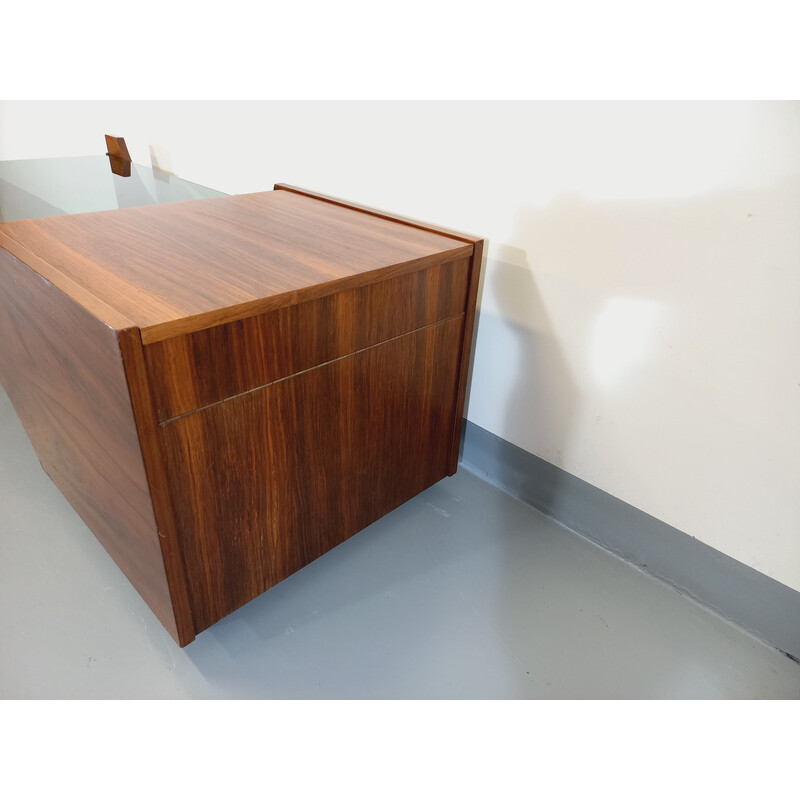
198 369
271 479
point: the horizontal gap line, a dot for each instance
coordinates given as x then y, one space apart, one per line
303 371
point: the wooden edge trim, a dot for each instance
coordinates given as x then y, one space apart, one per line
466 349
375 212
130 344
221 316
94 305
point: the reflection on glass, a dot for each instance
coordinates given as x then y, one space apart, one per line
49 187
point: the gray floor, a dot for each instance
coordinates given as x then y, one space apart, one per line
464 592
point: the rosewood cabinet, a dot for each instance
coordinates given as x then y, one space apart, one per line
226 388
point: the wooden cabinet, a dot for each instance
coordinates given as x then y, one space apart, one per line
224 389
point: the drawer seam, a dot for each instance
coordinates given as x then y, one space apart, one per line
162 423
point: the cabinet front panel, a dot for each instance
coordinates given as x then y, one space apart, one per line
195 370
269 480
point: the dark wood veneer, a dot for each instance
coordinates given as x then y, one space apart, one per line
63 372
225 389
180 267
197 369
302 464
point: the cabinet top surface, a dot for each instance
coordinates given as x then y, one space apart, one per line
172 268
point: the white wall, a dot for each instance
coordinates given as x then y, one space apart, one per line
639 321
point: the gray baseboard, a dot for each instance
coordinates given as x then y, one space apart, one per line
759 604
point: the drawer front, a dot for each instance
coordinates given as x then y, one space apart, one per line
198 369
270 480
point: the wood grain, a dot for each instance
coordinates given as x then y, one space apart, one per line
180 267
476 266
69 287
266 482
63 372
204 367
225 389
119 166
376 212
116 147
132 351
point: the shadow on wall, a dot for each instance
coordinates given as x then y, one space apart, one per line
526 357
649 348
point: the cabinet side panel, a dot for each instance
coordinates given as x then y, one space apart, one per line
476 265
268 481
63 372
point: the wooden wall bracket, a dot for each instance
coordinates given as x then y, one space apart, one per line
118 156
